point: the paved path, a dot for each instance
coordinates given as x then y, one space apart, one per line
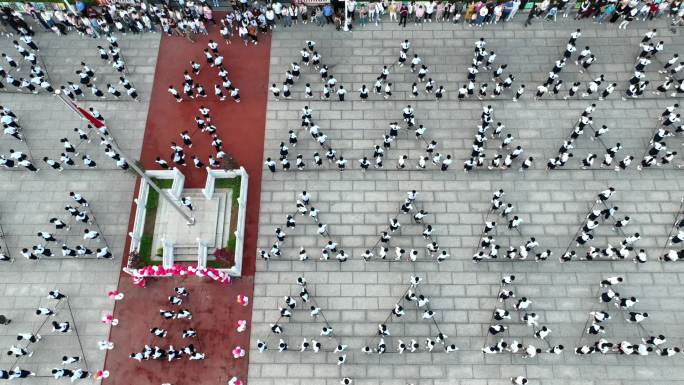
356 296
215 310
28 200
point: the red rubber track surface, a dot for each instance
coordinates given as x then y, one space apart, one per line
214 307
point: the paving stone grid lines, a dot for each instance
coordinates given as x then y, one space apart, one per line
28 200
356 296
539 128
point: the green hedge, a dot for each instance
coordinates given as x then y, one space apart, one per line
231 242
152 200
153 196
150 217
234 185
145 248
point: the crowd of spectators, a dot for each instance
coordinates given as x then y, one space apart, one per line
191 17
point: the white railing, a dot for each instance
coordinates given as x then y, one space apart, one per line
141 201
202 253
208 191
178 184
239 234
167 253
140 212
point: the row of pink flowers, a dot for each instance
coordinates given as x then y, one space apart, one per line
139 275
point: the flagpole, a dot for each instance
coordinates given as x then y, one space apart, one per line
189 219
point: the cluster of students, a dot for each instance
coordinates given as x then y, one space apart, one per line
478 154
73 374
66 158
304 208
625 305
310 58
476 14
36 79
179 296
383 86
62 327
669 125
79 213
72 90
600 213
583 61
193 90
412 295
524 315
138 17
318 136
171 354
649 52
629 11
382 246
484 60
17 372
19 351
11 127
87 77
488 249
287 311
204 124
676 240
586 121
10 124
431 155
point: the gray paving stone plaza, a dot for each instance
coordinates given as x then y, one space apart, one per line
28 200
356 296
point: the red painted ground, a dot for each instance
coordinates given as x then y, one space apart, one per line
214 307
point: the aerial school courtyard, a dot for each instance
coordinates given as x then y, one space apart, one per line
442 285
356 296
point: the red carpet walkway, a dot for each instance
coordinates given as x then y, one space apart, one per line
215 311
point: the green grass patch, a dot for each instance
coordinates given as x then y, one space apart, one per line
145 249
232 184
152 201
153 196
231 242
163 183
150 218
217 265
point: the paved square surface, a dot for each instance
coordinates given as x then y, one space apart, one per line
356 296
28 200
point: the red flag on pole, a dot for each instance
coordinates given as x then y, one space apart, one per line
94 121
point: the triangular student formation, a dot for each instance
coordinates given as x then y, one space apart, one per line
602 212
515 319
380 251
599 334
501 215
411 326
674 247
301 312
